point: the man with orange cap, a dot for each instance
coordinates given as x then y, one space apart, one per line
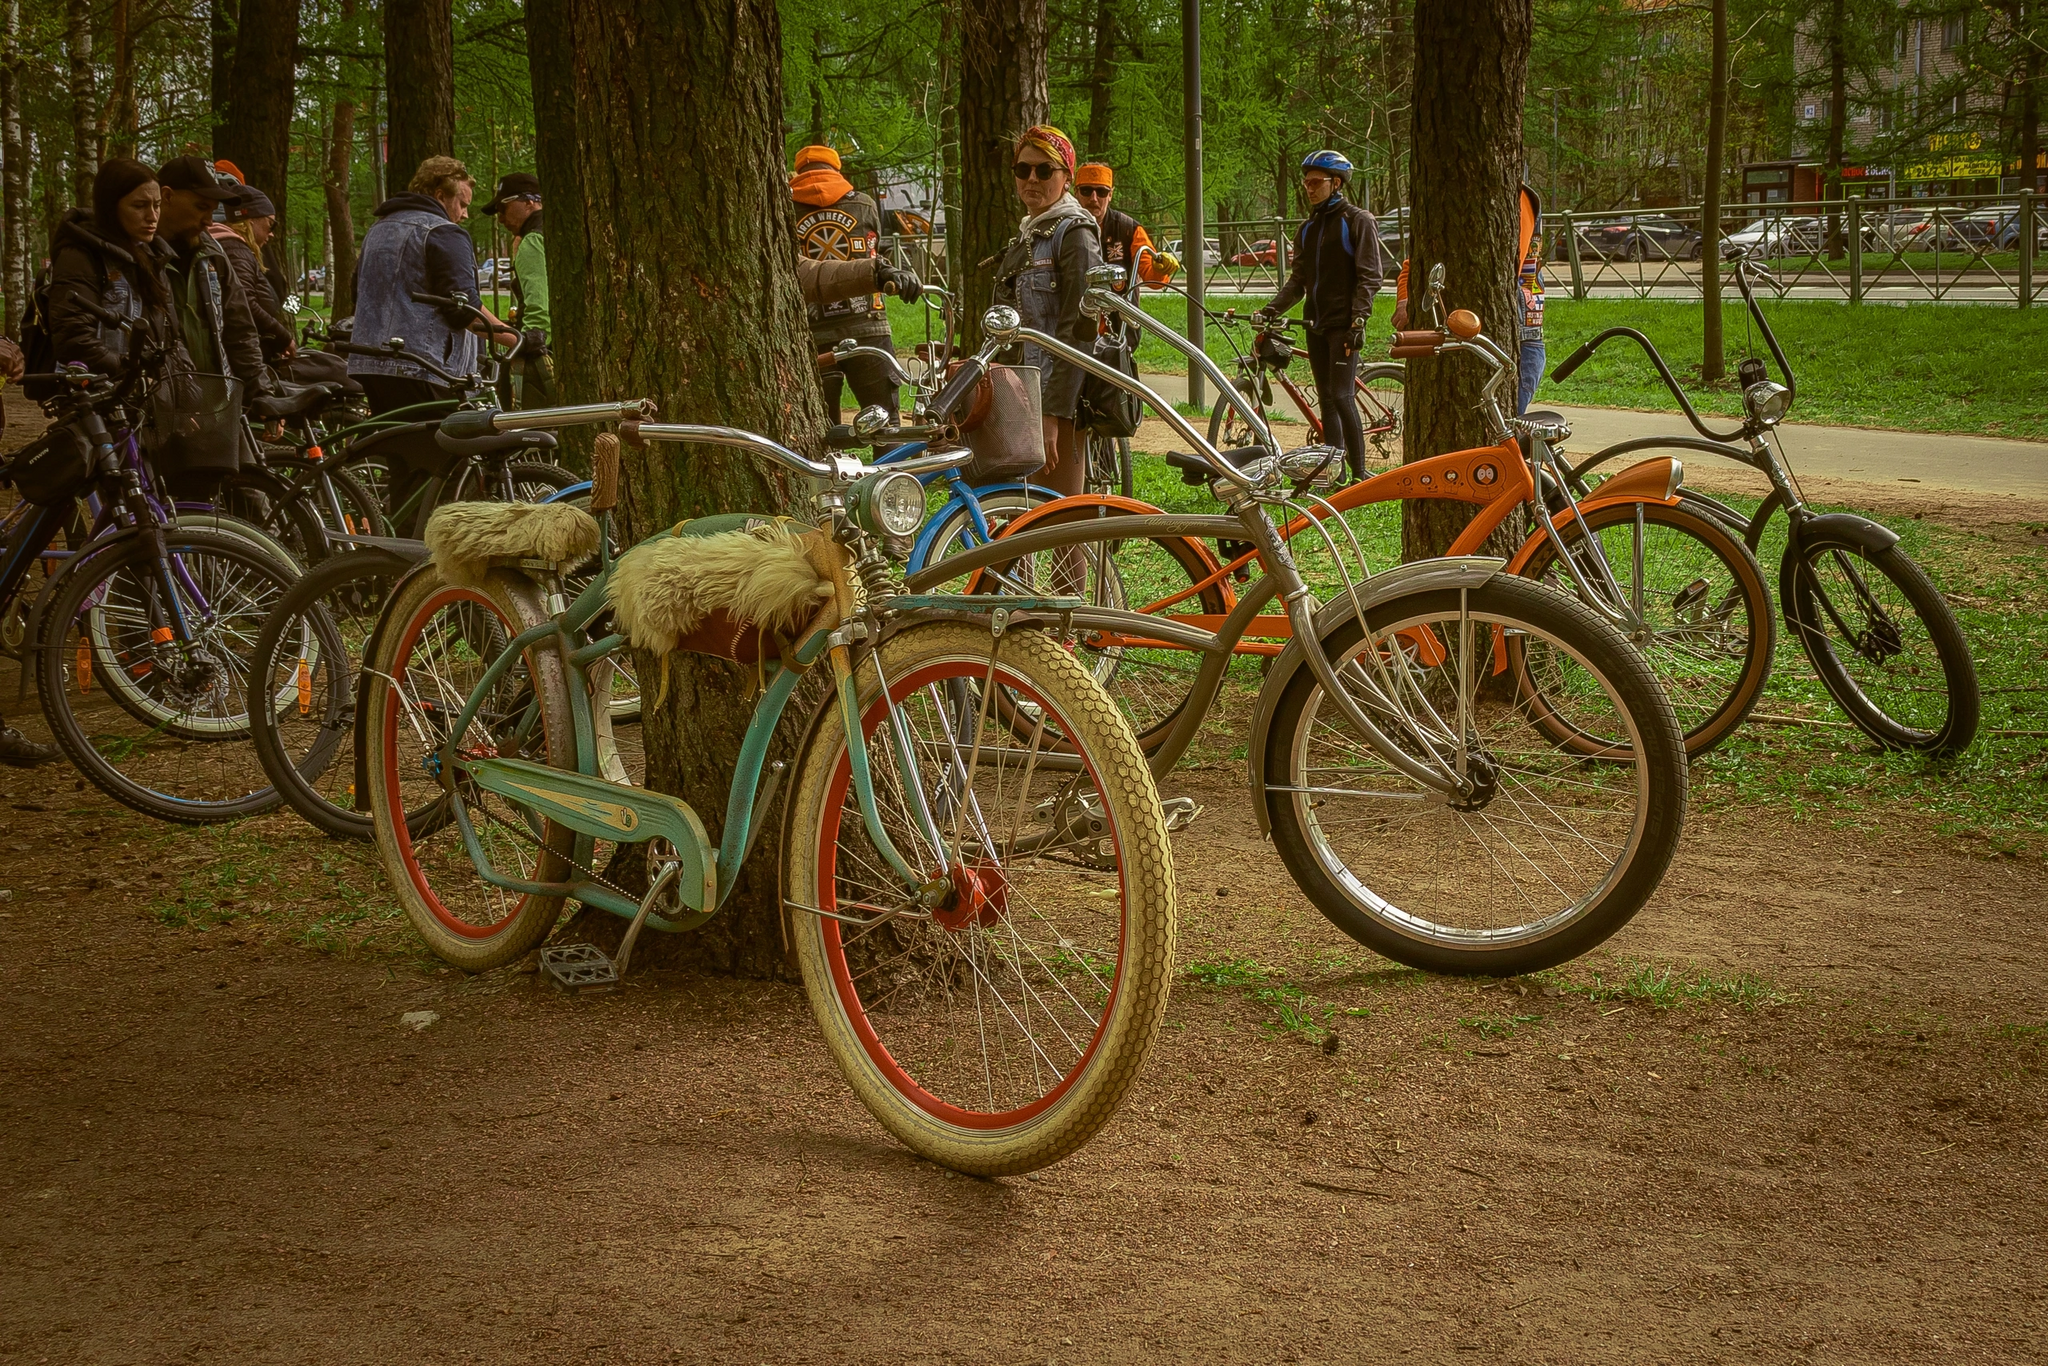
835 222
1125 243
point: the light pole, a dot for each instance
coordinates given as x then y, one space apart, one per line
1550 193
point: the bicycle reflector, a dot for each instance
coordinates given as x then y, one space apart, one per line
889 503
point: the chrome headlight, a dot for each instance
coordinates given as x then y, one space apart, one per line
888 503
1767 402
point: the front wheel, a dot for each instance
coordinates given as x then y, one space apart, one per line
1546 852
993 1017
1884 642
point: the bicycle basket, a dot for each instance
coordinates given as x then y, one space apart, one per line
52 469
194 423
1011 443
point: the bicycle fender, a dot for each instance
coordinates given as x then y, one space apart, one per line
1871 536
1652 481
1424 576
564 495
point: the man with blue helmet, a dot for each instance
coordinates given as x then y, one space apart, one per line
1336 272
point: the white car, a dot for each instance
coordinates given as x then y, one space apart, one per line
1212 252
1777 236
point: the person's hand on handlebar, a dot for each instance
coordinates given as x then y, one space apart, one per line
1262 318
1354 341
1400 315
904 284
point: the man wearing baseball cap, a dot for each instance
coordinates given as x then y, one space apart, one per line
835 222
1125 243
517 208
211 310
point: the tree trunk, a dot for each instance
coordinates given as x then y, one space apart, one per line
419 78
682 288
1713 363
1838 121
221 29
2031 38
14 204
85 121
949 137
123 118
341 274
1002 92
259 128
1464 178
1101 80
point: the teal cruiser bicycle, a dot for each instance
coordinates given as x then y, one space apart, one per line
982 907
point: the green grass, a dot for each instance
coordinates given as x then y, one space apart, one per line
1920 367
1665 988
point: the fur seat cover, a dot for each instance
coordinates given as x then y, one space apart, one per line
768 572
466 539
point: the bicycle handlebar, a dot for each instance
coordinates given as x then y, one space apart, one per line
469 423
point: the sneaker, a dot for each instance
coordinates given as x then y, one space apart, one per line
17 749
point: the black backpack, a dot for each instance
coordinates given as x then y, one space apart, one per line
1105 409
38 350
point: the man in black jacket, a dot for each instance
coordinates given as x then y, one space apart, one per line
207 303
835 222
1336 272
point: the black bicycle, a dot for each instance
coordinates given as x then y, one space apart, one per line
1881 636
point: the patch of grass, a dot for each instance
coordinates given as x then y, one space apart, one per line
1498 1026
1294 1010
1665 988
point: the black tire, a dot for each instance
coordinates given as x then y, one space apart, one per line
1880 634
261 498
1708 630
162 727
1383 408
1600 833
307 747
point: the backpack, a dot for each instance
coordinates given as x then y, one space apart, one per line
38 350
1104 408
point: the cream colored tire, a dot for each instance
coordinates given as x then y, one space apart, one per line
1002 1033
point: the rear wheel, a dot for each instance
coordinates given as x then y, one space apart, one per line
1885 644
998 1030
1705 620
435 646
1382 398
1546 855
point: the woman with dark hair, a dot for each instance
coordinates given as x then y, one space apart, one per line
108 257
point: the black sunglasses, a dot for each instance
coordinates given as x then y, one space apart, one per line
1092 190
1028 170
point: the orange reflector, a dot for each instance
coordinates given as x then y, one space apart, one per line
162 634
305 686
315 453
84 664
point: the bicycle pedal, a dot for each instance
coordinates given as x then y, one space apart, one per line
579 969
1180 812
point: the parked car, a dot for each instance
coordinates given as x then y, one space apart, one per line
1264 252
1774 236
314 281
1212 251
494 273
1644 238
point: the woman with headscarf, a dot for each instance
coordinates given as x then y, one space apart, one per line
246 225
108 257
1043 275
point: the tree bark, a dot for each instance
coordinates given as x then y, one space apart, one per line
14 204
1101 80
85 112
949 137
1464 177
123 118
672 261
1002 92
419 78
221 30
1713 362
341 227
259 126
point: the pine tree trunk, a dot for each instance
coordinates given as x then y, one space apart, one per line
14 203
85 122
1101 80
221 32
1464 177
949 136
419 76
259 128
672 262
1002 92
123 118
1713 363
341 227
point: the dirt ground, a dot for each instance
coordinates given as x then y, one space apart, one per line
1794 1112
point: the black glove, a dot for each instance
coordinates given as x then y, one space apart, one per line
533 343
1355 343
904 284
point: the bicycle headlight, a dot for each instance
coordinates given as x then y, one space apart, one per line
889 503
1767 402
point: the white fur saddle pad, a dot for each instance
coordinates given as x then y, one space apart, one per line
768 576
467 539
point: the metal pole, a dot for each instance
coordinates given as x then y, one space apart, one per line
1191 235
1571 241
1855 251
2028 211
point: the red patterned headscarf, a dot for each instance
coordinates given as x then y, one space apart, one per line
1050 141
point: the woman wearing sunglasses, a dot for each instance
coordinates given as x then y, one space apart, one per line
1043 274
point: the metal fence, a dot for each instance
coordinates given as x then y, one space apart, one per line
1975 249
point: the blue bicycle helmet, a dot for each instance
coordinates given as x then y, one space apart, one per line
1326 160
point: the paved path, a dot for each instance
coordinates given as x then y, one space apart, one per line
1858 455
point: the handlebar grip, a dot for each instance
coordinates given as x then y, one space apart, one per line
1432 339
1410 352
1570 363
957 389
469 423
604 473
438 300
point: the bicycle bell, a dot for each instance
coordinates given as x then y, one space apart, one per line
871 421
